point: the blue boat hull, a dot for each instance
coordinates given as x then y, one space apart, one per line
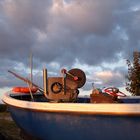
73 126
133 99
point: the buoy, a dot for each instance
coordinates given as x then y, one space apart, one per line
24 89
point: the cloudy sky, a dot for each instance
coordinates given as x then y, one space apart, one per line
94 35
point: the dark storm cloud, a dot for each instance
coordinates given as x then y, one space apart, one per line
20 18
75 28
60 32
128 19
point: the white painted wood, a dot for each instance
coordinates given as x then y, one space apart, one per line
84 108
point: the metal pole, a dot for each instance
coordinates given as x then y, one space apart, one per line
30 92
45 82
31 67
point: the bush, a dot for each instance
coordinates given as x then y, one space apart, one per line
133 84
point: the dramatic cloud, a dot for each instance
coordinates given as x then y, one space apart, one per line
110 78
94 35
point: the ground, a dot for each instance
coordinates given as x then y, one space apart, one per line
8 128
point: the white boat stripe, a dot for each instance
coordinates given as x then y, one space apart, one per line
115 108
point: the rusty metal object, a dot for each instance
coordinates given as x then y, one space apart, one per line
65 89
97 97
60 89
79 74
56 89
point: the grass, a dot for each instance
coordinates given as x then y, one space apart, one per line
8 127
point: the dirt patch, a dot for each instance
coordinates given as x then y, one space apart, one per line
8 128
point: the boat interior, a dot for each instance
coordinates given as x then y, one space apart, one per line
65 89
38 97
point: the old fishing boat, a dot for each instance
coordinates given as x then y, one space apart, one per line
58 112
